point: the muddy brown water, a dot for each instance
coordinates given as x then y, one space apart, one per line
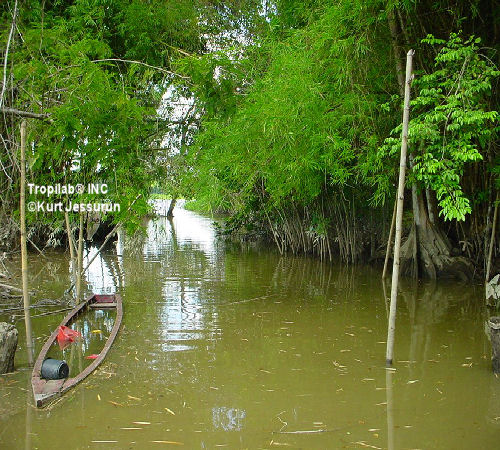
227 346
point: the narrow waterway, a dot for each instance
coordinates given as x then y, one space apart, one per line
239 347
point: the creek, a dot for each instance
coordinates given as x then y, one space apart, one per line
235 346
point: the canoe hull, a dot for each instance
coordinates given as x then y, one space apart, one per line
46 390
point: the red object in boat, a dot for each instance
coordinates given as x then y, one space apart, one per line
66 335
92 356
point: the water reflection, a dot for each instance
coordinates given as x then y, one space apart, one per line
185 232
228 419
103 275
232 345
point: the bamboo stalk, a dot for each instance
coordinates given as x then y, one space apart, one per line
70 236
389 240
79 261
24 251
492 240
399 211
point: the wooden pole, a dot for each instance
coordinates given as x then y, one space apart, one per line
492 240
399 211
79 260
70 236
24 251
389 240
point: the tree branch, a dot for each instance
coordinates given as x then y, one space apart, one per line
31 115
161 69
13 26
47 116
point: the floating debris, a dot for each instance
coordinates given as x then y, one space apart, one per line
364 444
114 403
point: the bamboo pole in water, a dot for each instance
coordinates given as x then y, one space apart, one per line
70 236
492 240
399 211
79 260
24 251
389 240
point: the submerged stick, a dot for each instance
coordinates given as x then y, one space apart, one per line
24 251
399 211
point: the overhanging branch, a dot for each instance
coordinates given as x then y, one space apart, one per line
46 116
31 115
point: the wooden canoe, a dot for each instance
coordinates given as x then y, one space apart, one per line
46 390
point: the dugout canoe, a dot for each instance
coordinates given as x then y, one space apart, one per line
44 390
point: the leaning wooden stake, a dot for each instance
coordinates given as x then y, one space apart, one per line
399 211
492 240
389 240
24 251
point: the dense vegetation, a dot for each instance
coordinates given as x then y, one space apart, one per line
291 117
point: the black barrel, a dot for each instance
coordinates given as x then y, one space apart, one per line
54 369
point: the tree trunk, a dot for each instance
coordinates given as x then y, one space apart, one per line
427 250
434 251
8 345
170 212
431 205
494 329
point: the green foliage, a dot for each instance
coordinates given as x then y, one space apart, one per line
70 64
451 122
291 102
301 127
